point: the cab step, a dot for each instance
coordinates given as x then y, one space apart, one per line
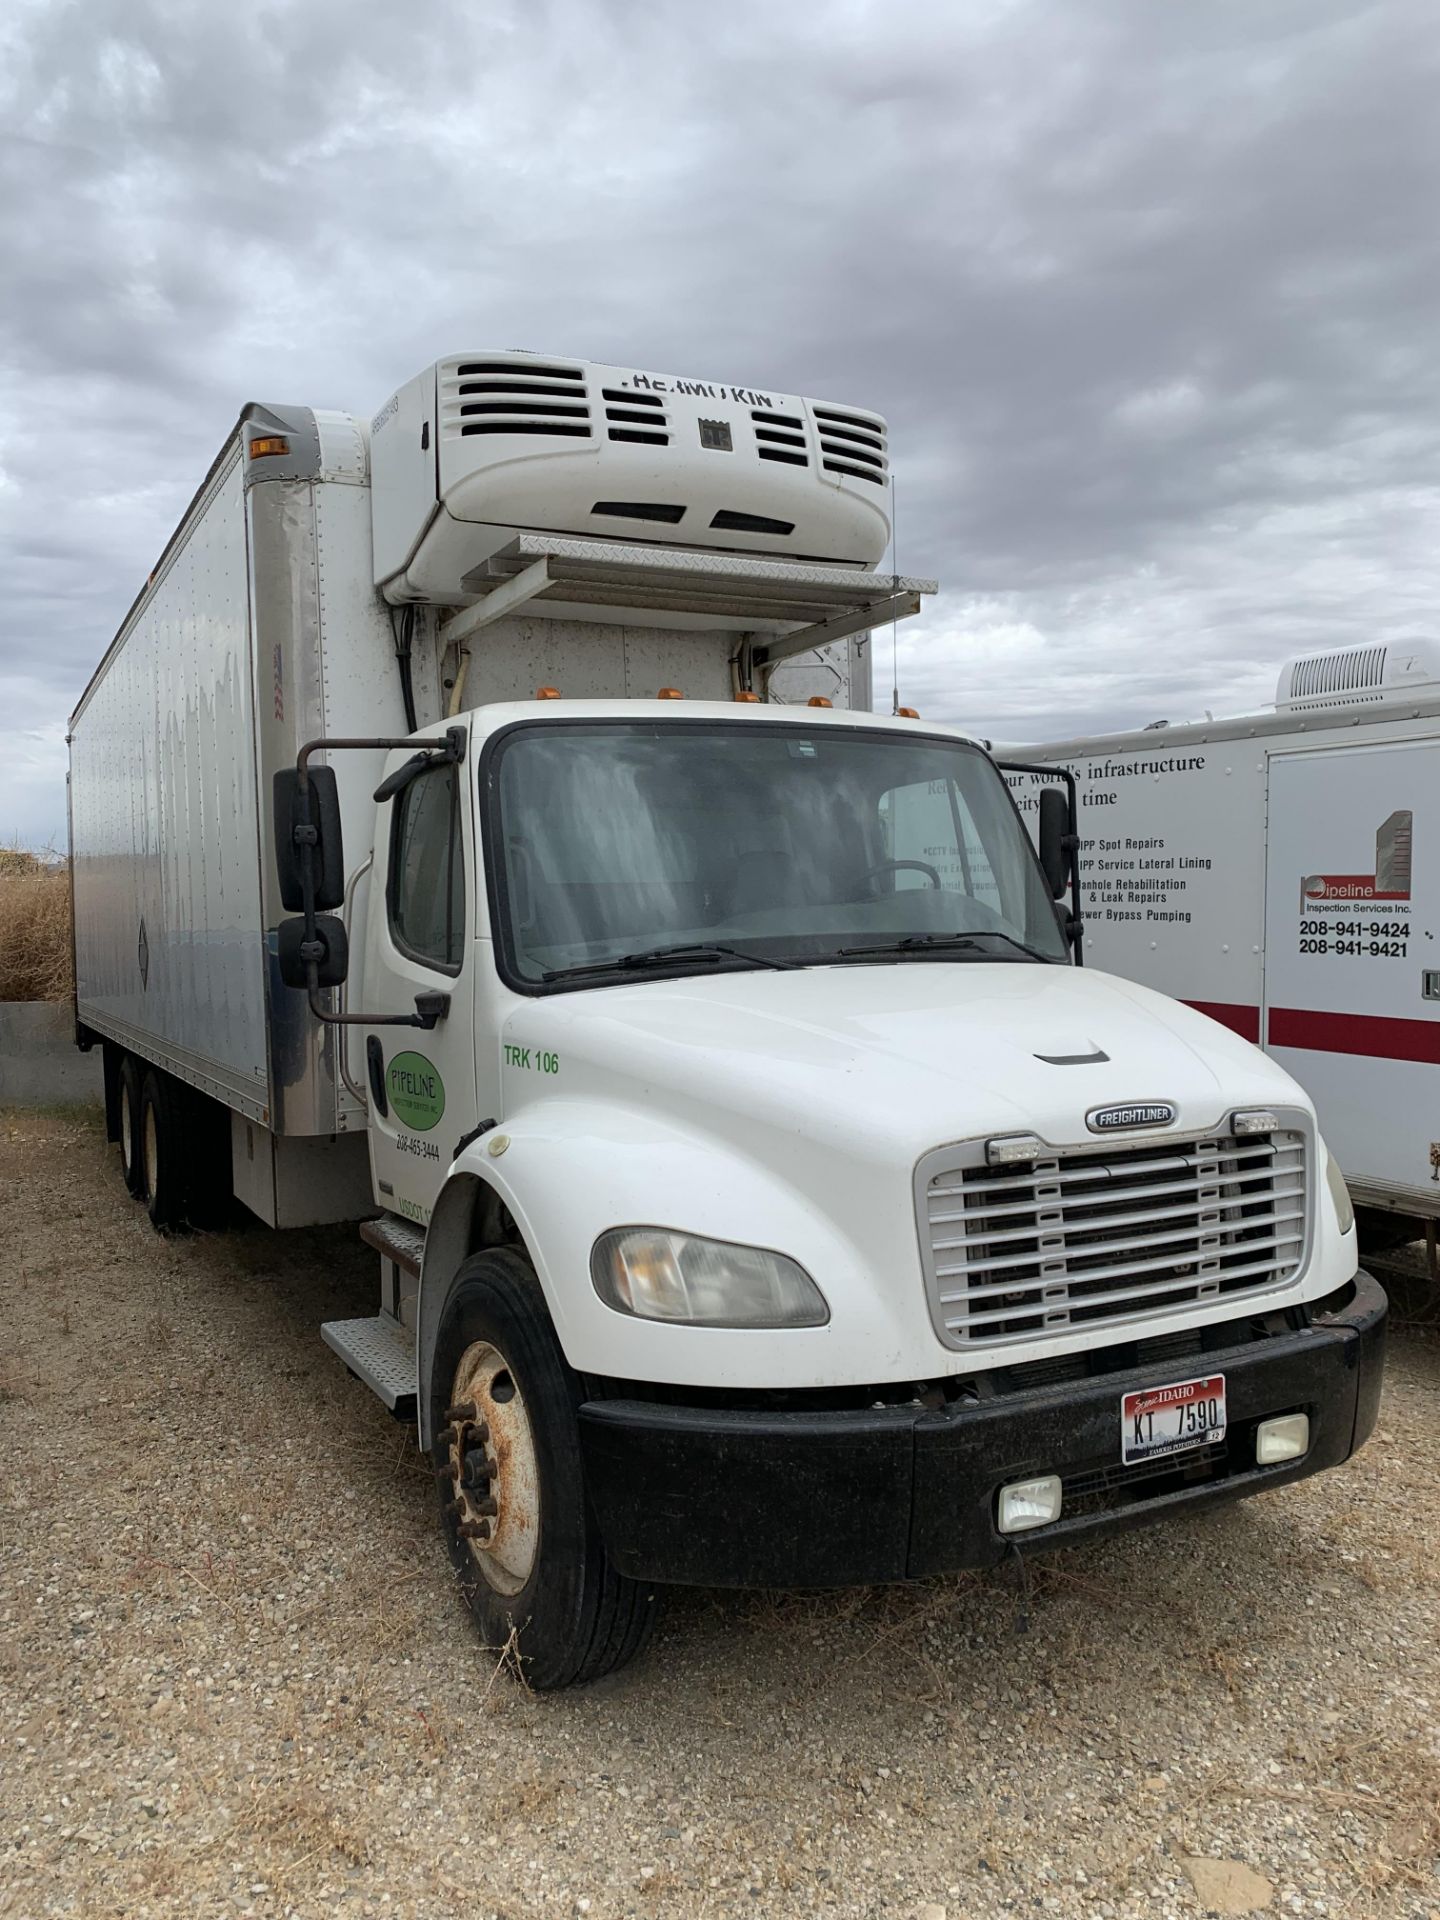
381 1353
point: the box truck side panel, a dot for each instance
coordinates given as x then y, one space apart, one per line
1352 953
1172 868
169 948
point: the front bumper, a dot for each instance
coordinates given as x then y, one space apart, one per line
807 1497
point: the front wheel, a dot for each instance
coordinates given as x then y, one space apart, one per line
504 1405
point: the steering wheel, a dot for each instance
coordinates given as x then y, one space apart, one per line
902 866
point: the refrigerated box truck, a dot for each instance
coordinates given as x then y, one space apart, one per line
1280 871
478 830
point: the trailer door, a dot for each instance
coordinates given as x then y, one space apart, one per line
1352 953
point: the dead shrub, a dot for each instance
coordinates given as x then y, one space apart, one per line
35 946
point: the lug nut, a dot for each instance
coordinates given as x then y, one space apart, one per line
474 1529
487 1505
446 1470
462 1410
448 1436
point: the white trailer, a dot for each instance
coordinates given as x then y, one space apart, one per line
1280 871
477 826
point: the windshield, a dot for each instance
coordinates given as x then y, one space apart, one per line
779 843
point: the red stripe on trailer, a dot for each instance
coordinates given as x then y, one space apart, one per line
1363 1033
1242 1020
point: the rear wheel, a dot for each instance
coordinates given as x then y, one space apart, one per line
504 1405
164 1150
132 1164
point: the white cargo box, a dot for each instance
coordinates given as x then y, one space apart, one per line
1281 872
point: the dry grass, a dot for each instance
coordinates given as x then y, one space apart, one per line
35 948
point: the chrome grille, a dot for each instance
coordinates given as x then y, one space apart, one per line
1114 1237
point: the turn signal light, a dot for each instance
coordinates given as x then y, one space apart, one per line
748 696
547 693
907 713
669 693
268 443
819 700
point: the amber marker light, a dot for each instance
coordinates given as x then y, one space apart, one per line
547 693
819 700
669 693
907 713
267 444
748 697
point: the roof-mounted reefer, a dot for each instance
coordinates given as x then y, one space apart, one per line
1358 676
485 445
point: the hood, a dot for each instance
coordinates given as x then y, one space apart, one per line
923 1052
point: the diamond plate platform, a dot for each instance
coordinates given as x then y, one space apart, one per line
380 1351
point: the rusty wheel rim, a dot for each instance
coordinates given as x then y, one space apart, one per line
492 1468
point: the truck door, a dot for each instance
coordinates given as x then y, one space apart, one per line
1352 953
421 939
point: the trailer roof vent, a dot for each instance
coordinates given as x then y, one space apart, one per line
502 396
853 444
1358 676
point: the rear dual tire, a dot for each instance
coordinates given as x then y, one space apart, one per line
532 1566
174 1148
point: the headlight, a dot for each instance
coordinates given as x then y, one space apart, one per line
660 1275
1339 1192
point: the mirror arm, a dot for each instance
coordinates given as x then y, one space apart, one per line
1070 846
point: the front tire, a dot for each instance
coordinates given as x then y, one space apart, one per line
503 1406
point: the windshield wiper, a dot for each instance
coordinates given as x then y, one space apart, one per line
662 956
943 943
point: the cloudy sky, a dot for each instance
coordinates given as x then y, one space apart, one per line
1147 288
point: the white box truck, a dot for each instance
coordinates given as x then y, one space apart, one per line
1280 871
477 826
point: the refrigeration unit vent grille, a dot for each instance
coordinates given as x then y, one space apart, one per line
483 397
1356 674
853 444
780 437
1110 1238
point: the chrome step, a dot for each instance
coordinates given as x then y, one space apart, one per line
381 1352
395 1240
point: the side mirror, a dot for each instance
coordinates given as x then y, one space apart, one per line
1054 840
332 960
328 857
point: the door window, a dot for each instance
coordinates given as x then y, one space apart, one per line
427 871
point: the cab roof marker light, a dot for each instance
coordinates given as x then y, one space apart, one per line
907 713
1254 1120
1010 1149
269 443
747 696
819 700
547 693
669 693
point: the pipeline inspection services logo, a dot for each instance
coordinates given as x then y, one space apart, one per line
417 1093
1389 882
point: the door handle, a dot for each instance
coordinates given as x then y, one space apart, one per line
375 1066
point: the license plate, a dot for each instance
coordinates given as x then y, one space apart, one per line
1158 1420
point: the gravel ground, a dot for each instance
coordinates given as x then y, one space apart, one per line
235 1678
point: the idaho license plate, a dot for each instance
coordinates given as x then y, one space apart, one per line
1158 1420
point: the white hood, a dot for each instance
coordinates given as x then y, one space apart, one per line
927 1051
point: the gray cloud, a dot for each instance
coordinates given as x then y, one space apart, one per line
1147 292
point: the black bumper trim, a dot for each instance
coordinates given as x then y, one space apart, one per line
754 1498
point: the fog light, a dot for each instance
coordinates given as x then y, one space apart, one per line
1283 1439
1029 1503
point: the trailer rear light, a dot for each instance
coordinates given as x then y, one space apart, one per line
1285 1438
1257 1120
819 700
268 443
1012 1147
547 693
1029 1503
669 693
